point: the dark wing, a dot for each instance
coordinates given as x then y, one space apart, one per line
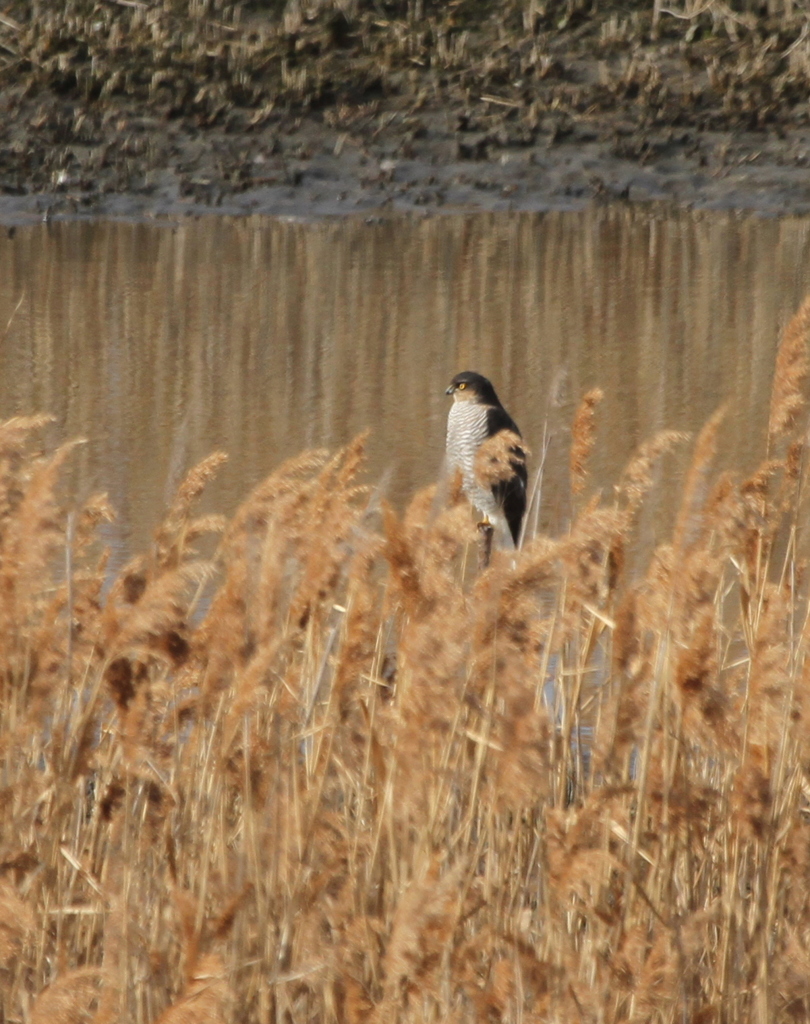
499 419
510 494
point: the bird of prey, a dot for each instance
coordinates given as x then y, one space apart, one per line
484 443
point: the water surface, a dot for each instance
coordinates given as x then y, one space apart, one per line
161 343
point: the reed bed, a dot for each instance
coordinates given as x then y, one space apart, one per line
335 774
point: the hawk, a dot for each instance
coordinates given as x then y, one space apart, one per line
484 443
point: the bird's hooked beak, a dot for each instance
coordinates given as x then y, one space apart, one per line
451 389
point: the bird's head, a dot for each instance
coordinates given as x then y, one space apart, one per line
472 387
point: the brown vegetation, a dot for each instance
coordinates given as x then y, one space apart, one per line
333 775
114 89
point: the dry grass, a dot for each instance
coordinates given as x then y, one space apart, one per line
82 81
205 58
331 775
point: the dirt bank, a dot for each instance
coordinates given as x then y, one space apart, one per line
139 109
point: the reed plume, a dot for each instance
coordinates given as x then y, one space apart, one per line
583 436
332 773
790 377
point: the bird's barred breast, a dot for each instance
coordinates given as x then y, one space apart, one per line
467 429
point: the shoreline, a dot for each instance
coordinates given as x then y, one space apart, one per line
330 184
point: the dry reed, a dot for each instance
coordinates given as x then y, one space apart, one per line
334 775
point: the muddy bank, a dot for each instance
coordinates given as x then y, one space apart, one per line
745 173
139 109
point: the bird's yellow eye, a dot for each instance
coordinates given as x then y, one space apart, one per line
462 386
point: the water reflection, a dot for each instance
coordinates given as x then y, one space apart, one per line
159 344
